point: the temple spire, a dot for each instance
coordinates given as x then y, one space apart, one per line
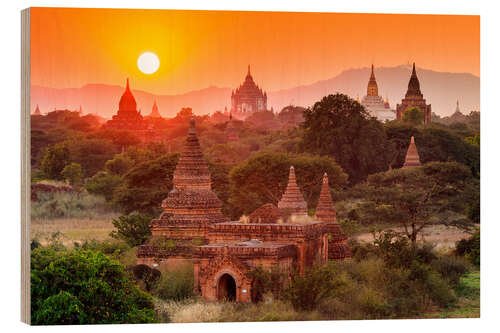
372 89
325 211
292 201
412 158
248 70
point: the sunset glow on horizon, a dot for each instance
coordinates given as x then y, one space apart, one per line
71 47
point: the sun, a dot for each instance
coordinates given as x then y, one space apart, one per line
148 62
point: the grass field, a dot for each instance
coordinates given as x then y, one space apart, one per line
70 230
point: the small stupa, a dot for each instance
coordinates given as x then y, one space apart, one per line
412 159
37 111
292 201
154 111
325 211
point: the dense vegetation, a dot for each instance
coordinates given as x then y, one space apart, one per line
111 173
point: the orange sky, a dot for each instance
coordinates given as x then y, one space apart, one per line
71 47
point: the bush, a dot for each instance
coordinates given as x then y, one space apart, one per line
307 291
175 284
133 229
103 183
84 287
470 248
451 269
143 273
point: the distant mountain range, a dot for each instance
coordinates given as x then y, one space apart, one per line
440 89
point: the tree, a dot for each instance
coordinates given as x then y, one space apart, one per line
84 287
133 229
263 178
417 197
119 165
72 173
146 185
414 116
103 183
55 159
339 126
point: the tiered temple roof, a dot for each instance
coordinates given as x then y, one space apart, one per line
374 103
191 201
248 97
412 159
292 201
127 117
414 98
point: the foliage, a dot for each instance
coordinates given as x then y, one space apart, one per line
103 183
176 284
415 197
266 281
146 185
339 126
306 291
84 287
72 173
414 116
119 165
470 248
55 159
262 179
133 229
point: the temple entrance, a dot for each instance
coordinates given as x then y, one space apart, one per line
226 288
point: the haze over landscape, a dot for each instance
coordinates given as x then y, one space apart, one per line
441 89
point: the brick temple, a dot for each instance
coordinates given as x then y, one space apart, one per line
128 118
414 98
223 252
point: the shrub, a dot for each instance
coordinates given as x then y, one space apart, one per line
307 291
451 269
133 229
175 284
470 248
84 287
149 276
103 183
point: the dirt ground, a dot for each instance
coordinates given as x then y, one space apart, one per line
444 237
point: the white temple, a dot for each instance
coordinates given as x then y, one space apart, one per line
375 104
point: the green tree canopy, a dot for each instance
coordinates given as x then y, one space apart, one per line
72 173
340 127
55 159
84 287
414 116
416 197
263 178
133 229
146 185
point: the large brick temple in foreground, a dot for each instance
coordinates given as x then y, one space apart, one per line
223 252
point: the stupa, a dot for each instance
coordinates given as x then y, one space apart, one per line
292 202
37 111
412 159
338 249
191 201
154 111
248 97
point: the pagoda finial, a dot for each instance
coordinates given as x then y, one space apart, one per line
192 126
127 88
248 70
414 72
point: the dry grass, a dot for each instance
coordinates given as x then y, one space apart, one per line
444 237
71 229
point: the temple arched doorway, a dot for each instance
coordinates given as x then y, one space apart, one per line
226 289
